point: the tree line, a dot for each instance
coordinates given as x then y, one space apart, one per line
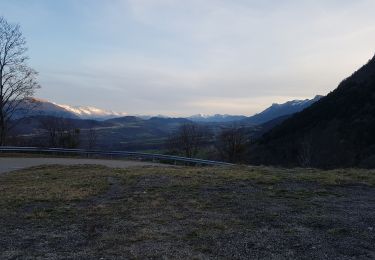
191 140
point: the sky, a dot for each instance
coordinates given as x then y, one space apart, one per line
179 58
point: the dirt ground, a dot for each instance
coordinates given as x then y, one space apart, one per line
95 212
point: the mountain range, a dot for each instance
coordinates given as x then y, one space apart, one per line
138 133
46 108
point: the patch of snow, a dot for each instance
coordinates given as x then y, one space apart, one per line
91 112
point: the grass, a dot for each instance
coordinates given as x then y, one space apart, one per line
153 212
54 184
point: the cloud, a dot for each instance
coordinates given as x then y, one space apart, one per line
150 56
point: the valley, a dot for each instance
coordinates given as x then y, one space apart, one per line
134 133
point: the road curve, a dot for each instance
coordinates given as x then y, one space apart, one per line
12 164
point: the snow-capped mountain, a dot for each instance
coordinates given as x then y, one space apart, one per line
41 107
87 112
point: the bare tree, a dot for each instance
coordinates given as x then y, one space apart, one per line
54 126
232 144
70 138
188 139
17 79
60 132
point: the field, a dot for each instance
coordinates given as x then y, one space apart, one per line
94 212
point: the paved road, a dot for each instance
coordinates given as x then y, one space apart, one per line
11 164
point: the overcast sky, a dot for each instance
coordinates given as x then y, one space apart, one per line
178 57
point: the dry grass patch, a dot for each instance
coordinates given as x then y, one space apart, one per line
184 212
52 184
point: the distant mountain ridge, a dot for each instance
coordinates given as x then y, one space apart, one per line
201 118
42 107
273 112
281 110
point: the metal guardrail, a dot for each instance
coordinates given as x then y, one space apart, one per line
148 156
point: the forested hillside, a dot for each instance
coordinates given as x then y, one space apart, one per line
337 131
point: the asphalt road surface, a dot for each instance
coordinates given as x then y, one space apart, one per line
12 164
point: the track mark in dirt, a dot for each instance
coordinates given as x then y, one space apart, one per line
115 192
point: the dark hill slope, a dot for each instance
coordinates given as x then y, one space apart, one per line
336 131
